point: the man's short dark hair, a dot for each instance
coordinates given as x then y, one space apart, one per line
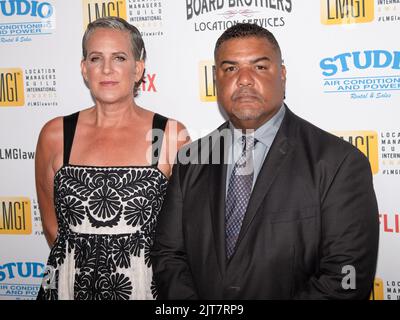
245 30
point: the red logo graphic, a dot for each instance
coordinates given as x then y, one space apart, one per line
148 85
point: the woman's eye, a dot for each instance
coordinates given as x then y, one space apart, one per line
120 58
94 59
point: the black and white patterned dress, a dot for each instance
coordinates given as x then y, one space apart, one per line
106 218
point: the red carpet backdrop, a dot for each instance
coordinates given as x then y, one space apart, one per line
343 64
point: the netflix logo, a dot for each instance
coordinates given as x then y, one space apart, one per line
390 222
149 83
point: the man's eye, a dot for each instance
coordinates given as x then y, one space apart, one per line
261 67
230 69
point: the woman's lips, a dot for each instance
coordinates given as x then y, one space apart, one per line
108 83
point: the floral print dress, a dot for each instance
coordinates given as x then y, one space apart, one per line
106 219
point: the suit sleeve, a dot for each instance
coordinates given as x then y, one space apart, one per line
349 235
170 267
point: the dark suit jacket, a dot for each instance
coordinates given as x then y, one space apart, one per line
310 231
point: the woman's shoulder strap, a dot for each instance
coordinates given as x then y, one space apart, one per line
69 123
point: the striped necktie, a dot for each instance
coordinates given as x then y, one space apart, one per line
239 191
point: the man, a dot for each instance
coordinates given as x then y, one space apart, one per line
288 213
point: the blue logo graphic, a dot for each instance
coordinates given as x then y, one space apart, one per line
22 270
360 60
21 19
13 273
24 7
375 84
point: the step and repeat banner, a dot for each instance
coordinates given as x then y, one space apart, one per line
343 74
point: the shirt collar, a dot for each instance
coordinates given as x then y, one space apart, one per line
266 133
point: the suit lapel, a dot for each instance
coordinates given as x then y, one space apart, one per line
216 189
280 149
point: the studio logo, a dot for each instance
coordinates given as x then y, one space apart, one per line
366 142
94 9
19 279
377 291
27 8
368 74
15 215
346 11
357 60
207 81
12 270
20 19
11 87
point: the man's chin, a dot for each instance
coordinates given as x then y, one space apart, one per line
247 115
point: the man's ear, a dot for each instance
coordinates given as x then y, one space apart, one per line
283 73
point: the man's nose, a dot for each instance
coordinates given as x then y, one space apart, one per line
245 78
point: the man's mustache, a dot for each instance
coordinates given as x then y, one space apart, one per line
245 93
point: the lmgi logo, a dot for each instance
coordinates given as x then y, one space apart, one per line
11 87
94 9
15 215
377 290
207 81
366 142
346 11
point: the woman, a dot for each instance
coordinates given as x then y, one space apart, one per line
101 178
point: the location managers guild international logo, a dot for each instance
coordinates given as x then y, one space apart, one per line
15 215
366 142
24 20
207 81
218 15
390 152
31 87
385 289
146 15
392 289
11 87
346 11
388 11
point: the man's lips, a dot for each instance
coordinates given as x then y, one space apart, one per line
245 98
244 95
